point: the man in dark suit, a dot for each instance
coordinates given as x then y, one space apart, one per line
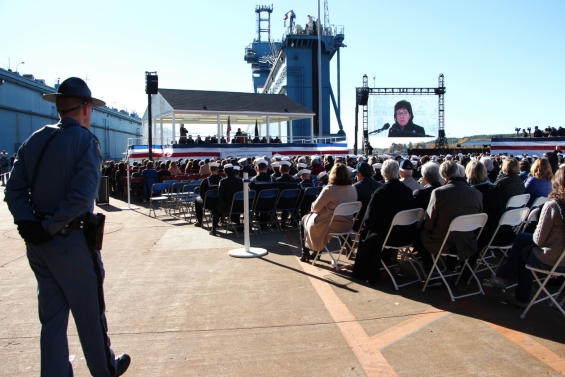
365 187
226 190
393 197
430 175
455 198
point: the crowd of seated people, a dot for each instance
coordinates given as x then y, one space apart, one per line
444 186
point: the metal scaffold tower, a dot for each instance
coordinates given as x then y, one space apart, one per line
259 9
441 141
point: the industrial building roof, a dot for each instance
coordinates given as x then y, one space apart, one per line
202 106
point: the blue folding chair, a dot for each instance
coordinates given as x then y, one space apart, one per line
157 195
236 209
285 206
264 205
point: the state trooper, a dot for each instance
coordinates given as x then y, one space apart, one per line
69 273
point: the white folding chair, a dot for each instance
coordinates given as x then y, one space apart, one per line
513 218
466 223
542 284
533 217
539 201
404 218
518 201
342 210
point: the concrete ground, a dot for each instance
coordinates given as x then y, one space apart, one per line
180 306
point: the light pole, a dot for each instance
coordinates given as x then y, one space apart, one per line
19 65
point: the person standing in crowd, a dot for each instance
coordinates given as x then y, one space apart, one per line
183 132
5 167
47 221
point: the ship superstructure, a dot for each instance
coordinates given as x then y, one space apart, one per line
295 69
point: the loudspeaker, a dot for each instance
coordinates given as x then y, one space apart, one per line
151 84
365 134
363 97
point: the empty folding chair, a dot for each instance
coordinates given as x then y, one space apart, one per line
185 201
542 286
468 223
343 210
159 189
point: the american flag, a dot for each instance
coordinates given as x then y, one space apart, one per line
229 130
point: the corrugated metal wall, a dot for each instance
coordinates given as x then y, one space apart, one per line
22 112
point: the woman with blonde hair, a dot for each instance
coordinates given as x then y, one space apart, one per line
314 226
509 181
174 169
539 182
541 249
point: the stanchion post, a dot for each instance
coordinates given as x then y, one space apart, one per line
246 251
246 211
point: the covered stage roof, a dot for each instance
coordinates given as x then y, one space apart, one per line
204 107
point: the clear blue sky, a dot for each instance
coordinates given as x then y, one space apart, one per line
503 60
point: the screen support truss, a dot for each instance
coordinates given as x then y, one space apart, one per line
362 96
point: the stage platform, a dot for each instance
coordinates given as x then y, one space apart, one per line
176 151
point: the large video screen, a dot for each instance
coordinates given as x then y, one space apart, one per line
402 118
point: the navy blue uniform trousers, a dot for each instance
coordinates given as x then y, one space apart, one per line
69 277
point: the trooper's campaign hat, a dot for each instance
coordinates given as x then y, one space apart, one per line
73 87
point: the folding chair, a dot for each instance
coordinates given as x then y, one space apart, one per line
160 188
513 218
187 197
404 218
237 209
308 197
518 201
265 204
286 202
344 210
531 221
135 186
466 223
542 284
539 201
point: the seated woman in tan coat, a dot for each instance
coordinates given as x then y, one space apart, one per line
314 227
